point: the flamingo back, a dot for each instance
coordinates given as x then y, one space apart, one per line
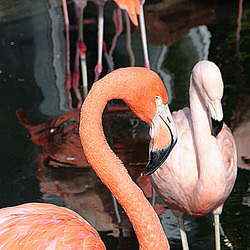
45 226
227 145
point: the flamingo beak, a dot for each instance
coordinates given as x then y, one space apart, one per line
216 126
163 138
216 113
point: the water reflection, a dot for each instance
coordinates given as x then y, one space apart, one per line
32 75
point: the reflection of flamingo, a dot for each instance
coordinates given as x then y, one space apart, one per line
143 91
133 7
200 173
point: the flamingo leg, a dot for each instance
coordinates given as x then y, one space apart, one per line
144 37
107 58
76 76
153 197
68 72
217 231
128 41
117 19
116 210
98 67
184 240
80 52
82 48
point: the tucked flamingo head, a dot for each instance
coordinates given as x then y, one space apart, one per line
206 76
138 87
145 94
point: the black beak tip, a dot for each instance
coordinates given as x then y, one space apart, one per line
216 127
157 158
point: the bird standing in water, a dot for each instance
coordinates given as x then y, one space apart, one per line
199 174
37 226
133 8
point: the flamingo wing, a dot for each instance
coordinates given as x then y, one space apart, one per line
227 145
45 226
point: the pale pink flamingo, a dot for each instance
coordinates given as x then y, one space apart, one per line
199 174
37 226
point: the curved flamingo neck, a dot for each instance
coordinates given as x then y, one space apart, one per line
112 171
210 161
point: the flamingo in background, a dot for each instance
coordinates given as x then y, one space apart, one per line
45 225
133 7
199 174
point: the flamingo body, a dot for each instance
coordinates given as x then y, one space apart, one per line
199 174
175 182
46 226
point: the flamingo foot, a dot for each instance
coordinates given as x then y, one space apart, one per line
98 71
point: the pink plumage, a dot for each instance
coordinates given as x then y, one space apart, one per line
39 226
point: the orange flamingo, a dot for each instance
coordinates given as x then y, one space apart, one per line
199 174
133 7
41 225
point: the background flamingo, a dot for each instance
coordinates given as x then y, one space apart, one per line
145 94
133 7
200 173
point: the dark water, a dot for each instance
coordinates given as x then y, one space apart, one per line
36 154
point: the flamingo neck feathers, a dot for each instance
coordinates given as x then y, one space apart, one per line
111 170
211 176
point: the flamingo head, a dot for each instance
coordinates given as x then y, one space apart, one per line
209 83
145 94
148 99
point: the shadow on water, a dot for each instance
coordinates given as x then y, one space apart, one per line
41 155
